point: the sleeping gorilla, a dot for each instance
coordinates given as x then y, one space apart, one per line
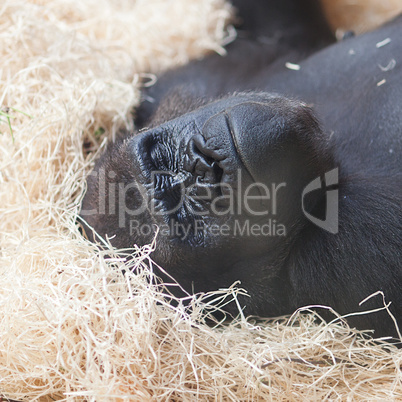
245 182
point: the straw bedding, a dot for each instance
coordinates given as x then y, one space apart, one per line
71 326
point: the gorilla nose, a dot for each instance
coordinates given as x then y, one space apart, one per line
251 132
218 144
238 137
202 161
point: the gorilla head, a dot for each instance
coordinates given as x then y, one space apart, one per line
221 185
236 188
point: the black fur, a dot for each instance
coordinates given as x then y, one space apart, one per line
247 113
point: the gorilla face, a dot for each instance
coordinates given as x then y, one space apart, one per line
220 187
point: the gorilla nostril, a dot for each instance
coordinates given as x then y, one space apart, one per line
201 161
196 155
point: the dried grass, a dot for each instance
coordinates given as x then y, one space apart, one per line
71 326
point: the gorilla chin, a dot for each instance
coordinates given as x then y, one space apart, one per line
214 185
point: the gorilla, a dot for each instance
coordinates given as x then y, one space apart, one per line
277 166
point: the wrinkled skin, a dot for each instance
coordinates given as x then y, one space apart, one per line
233 141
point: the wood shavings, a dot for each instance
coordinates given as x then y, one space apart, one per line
390 66
383 43
292 66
